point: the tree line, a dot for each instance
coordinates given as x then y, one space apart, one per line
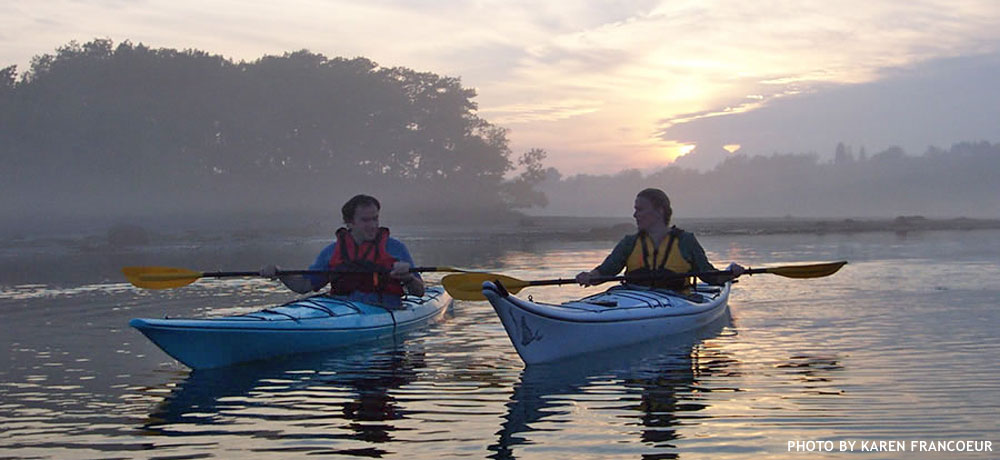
100 127
103 128
954 182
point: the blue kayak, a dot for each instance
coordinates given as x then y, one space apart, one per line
305 325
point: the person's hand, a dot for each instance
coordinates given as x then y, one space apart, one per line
401 271
736 269
584 278
269 271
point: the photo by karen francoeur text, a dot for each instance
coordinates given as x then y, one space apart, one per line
910 445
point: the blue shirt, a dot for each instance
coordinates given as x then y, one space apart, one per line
394 247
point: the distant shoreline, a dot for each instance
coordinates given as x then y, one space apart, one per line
600 228
131 237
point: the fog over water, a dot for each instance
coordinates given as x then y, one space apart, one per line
953 182
100 134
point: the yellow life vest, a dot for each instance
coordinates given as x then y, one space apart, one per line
646 254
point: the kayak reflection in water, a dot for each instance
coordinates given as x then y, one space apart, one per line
657 250
352 391
652 385
374 267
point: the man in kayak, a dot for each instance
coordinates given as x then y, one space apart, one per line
373 267
657 251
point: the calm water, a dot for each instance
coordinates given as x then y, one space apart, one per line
901 345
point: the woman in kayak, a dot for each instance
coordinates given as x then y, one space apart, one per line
374 267
657 250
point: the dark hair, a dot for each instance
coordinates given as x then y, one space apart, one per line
659 200
356 202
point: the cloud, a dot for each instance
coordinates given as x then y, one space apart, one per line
719 60
548 111
609 77
937 103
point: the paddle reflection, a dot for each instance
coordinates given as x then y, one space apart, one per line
308 397
658 382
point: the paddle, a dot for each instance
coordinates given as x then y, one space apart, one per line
469 286
170 277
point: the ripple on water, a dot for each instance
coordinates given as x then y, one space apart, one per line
898 345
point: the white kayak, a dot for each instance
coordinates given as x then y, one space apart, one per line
620 316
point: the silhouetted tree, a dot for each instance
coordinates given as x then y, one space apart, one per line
521 192
125 125
843 155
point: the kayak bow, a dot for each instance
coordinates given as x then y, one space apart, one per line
305 325
620 316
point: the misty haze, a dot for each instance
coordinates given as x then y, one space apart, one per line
173 283
101 134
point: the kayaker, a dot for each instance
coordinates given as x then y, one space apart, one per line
656 250
375 268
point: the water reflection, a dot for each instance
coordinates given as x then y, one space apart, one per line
901 344
658 382
344 396
813 371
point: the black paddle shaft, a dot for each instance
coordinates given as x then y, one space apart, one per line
306 272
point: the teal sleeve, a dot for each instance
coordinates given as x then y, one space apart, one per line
693 253
616 261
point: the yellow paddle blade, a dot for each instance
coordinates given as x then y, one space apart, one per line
469 286
807 271
160 277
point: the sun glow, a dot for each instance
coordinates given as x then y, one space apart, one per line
589 83
665 153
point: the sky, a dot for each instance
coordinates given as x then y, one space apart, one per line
610 85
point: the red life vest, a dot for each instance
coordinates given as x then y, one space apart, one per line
366 266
